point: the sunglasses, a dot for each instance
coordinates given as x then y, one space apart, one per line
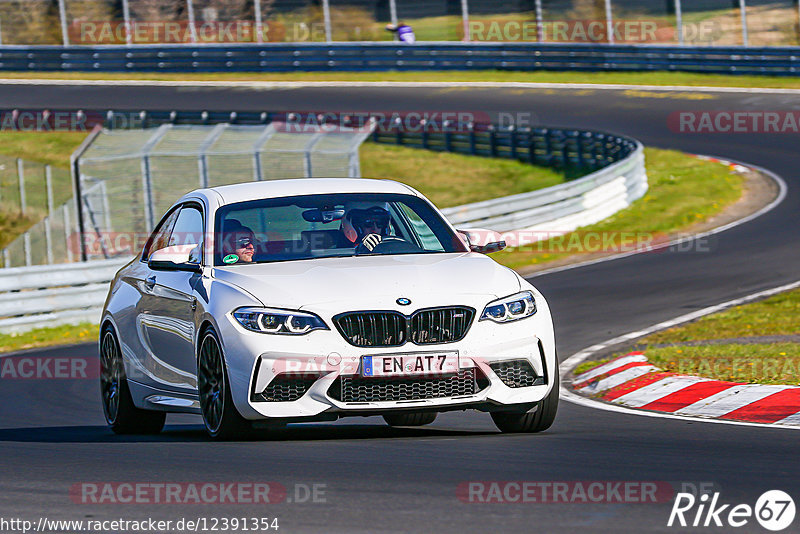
369 223
243 242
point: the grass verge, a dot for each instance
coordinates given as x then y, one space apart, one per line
624 78
47 337
683 191
760 363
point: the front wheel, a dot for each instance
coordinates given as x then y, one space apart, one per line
538 421
220 417
121 413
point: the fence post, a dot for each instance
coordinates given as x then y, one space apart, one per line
465 19
539 23
66 232
62 13
743 9
26 244
21 179
259 25
609 23
393 15
326 14
679 21
192 25
48 238
126 17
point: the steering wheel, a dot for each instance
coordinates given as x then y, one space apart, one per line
391 245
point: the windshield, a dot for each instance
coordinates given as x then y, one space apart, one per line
321 226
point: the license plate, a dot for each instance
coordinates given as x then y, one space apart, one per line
417 363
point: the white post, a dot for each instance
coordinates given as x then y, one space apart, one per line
48 237
679 21
259 26
326 13
393 15
465 19
609 23
192 27
539 22
21 178
62 12
743 9
67 229
126 16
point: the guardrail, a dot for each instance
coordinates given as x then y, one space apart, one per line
379 56
50 295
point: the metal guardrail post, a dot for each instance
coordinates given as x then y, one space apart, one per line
679 21
259 24
512 141
609 23
743 10
326 15
465 19
539 23
492 142
472 147
48 237
62 13
23 205
126 17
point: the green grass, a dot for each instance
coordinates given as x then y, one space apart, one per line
625 78
683 191
52 148
47 337
777 315
476 178
774 363
761 363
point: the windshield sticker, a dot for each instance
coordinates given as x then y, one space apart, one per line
230 258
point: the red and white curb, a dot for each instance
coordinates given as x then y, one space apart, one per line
634 382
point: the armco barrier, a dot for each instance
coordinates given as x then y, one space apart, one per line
380 56
50 295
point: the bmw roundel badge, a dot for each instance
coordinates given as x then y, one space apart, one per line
403 301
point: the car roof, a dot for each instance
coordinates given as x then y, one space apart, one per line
231 194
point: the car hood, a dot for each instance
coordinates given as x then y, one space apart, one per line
374 282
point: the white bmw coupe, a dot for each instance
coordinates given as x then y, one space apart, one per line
267 303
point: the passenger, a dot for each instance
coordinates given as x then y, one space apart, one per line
238 241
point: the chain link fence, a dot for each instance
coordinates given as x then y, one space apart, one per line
695 22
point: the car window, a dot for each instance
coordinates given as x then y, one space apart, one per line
160 237
317 226
188 230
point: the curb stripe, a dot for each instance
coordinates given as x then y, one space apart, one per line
729 400
602 369
687 396
769 409
617 379
658 390
791 420
644 381
612 372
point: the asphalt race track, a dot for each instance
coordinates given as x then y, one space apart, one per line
405 480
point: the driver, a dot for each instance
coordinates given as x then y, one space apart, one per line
238 242
366 227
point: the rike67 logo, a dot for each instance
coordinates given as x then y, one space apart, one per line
774 510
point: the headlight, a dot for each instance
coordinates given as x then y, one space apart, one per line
510 308
272 321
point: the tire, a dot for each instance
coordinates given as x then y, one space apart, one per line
537 421
121 413
220 417
410 419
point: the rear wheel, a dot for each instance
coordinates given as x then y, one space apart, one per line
410 419
220 417
538 421
121 413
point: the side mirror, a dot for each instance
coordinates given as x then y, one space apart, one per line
482 241
176 258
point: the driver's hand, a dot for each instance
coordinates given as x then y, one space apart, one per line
371 241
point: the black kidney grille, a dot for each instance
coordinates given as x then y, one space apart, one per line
442 325
392 329
373 329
